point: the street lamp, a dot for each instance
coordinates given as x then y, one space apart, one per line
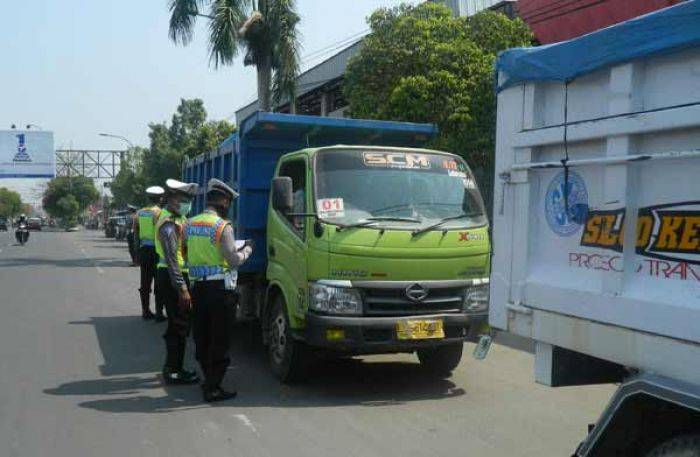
29 126
119 137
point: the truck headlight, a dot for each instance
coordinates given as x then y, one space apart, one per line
476 297
332 299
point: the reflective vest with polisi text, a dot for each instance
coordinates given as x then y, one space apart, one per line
179 221
204 256
147 218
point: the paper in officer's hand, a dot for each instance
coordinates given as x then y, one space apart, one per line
240 244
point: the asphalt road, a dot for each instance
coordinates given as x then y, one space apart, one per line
79 377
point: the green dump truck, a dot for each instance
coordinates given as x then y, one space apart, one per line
365 243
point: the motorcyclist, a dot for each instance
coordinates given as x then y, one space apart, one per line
22 233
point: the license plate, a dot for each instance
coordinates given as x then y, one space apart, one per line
419 330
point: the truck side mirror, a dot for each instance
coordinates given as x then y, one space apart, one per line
282 198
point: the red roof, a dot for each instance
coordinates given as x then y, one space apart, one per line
559 20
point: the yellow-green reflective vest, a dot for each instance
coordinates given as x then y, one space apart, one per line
203 242
147 218
179 221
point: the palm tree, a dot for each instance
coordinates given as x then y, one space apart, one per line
265 30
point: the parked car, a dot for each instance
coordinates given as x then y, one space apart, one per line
34 223
3 224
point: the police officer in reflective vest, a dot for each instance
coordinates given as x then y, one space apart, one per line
172 285
213 261
145 239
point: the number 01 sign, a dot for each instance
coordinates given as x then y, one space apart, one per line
329 208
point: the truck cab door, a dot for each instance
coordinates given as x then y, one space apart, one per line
287 249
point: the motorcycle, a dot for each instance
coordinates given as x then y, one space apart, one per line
22 233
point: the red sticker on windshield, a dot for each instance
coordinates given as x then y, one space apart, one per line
329 208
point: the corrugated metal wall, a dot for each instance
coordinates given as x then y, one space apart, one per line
471 7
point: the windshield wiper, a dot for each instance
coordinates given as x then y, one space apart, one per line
443 221
372 220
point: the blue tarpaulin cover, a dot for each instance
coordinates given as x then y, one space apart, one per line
661 32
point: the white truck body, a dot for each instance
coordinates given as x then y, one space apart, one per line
616 274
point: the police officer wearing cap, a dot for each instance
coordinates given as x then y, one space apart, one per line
213 261
172 284
145 239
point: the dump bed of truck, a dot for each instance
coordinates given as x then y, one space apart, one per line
597 196
248 158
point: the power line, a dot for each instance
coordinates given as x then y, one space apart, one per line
333 46
317 55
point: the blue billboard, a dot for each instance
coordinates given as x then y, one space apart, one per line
27 154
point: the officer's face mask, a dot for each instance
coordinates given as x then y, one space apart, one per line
185 208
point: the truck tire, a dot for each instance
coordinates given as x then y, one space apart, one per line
682 446
289 359
441 360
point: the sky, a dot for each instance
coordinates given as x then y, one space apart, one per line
81 67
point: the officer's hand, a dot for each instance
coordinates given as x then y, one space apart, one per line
250 243
184 299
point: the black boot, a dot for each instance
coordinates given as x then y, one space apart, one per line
179 376
217 394
159 317
146 313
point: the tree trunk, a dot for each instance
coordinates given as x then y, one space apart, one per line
265 85
264 70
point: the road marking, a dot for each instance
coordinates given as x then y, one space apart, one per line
247 422
97 266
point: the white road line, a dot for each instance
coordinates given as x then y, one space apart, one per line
99 268
247 422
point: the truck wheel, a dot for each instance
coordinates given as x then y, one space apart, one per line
682 446
441 360
289 358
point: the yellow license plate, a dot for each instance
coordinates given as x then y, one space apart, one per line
419 330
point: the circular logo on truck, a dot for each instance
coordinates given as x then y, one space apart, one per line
566 221
416 293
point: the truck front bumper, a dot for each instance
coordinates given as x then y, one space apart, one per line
376 335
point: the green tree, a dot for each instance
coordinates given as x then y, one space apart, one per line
128 186
69 209
81 189
189 134
187 121
422 64
10 203
265 30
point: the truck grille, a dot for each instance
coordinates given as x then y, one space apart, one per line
394 302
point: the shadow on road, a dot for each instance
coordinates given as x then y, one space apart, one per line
133 350
107 262
129 345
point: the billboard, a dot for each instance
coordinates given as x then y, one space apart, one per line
27 154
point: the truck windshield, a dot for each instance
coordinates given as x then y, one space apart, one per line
417 189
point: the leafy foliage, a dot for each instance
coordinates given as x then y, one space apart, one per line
265 30
421 64
70 209
10 203
188 135
67 197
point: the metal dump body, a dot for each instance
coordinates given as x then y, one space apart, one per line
597 196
